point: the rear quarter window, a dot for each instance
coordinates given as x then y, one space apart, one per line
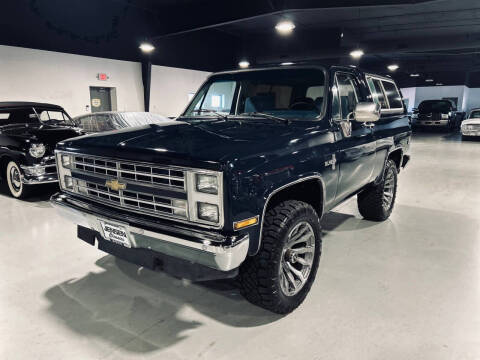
393 95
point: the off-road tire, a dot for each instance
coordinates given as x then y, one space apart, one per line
19 190
259 275
370 200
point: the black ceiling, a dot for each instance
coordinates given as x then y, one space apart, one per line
438 39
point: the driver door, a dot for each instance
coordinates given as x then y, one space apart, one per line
356 144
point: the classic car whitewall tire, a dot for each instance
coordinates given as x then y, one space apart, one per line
14 180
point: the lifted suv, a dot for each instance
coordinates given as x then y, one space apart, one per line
237 185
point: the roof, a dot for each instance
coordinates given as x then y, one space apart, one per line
22 104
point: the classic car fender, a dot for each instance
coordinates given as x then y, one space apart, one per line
272 191
7 155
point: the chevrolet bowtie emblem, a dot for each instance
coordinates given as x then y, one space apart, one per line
115 185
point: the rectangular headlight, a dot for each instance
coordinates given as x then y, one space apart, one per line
207 212
206 184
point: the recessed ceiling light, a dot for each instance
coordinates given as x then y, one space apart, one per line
244 64
285 27
357 54
414 75
428 80
146 47
287 63
439 84
392 67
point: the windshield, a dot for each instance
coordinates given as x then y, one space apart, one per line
33 116
295 94
475 115
435 106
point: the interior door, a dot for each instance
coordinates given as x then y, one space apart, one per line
100 99
356 148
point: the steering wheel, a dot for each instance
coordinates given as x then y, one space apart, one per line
303 104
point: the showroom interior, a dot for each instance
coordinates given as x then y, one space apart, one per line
121 127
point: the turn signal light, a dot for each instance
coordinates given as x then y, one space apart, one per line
244 223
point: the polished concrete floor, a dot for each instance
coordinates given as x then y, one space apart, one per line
408 288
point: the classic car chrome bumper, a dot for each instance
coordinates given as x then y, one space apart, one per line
220 253
471 132
39 174
431 123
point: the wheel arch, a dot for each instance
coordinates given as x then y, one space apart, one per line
296 190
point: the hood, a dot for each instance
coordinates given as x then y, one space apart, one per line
49 135
187 143
471 122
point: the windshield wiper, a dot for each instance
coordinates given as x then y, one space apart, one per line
217 114
267 116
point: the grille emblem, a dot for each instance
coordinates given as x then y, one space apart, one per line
115 185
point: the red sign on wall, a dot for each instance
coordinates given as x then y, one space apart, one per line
102 76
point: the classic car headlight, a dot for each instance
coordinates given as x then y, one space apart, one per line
208 212
206 183
37 150
205 197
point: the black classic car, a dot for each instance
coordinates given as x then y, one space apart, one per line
237 185
116 120
440 114
28 135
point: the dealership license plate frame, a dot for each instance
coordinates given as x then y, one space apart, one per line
116 235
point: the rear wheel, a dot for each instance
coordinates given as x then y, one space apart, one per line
14 180
280 276
376 203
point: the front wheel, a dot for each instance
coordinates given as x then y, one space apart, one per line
14 180
376 203
280 276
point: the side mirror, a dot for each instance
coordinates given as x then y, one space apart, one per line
366 112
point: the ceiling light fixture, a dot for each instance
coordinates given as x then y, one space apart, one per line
392 67
414 75
287 63
146 47
285 27
439 84
357 54
428 80
244 64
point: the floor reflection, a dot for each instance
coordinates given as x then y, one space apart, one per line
140 310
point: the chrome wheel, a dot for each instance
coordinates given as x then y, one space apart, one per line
297 258
388 189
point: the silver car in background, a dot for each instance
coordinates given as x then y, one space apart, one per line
471 126
116 120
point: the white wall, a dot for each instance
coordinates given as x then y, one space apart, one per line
170 88
468 98
64 79
472 101
409 93
439 92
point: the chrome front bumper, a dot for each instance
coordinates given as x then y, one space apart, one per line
38 174
223 254
431 123
468 132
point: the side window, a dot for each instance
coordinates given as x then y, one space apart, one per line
348 94
393 95
377 92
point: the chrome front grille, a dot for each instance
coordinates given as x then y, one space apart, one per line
129 171
139 201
